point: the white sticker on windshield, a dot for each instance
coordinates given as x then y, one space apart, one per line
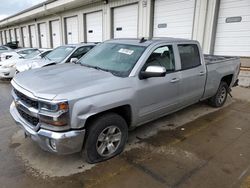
126 51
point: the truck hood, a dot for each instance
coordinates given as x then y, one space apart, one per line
66 80
32 64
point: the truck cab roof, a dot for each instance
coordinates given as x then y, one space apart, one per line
147 42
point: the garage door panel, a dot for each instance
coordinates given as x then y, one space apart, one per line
12 35
244 19
33 36
55 33
234 48
72 30
125 21
94 27
232 4
175 4
173 18
43 35
178 18
17 32
233 38
235 11
233 34
233 27
25 37
7 34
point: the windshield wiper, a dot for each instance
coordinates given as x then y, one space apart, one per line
45 57
99 68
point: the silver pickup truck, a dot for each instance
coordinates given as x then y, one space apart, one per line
89 106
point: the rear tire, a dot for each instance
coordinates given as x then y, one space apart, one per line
219 99
106 138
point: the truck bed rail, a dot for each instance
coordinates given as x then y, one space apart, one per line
211 59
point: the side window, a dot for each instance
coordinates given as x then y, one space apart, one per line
45 53
80 52
2 48
162 56
190 57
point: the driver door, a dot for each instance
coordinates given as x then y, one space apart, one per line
158 96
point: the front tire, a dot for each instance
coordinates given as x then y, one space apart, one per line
106 137
219 99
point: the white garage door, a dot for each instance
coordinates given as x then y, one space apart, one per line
33 36
125 21
25 37
94 27
233 28
12 35
174 18
43 35
17 31
55 33
71 30
7 34
3 37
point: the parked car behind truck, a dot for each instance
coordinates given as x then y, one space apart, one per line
8 67
90 106
62 54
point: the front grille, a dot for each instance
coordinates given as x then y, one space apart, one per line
26 100
32 120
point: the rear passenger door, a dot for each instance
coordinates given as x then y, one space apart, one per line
193 74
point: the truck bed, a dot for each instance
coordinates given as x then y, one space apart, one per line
217 68
211 59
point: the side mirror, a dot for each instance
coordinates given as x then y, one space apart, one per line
153 71
73 60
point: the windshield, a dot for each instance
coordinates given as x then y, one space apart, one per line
119 59
60 53
31 55
26 52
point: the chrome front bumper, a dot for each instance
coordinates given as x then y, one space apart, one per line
56 142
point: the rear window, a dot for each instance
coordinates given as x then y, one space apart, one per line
189 54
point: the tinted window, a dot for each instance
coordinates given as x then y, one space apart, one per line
81 51
189 54
162 56
3 48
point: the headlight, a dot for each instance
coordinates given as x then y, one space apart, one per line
9 66
8 56
54 113
54 107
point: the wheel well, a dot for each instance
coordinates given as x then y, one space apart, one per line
124 111
228 79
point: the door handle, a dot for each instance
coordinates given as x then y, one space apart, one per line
174 80
201 73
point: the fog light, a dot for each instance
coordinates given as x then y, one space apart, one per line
52 143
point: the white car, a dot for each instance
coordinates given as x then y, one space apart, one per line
16 54
5 49
8 67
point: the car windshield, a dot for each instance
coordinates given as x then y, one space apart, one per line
26 52
60 53
32 55
119 59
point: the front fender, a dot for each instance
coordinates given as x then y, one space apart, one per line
84 108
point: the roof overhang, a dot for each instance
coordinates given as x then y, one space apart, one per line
46 8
